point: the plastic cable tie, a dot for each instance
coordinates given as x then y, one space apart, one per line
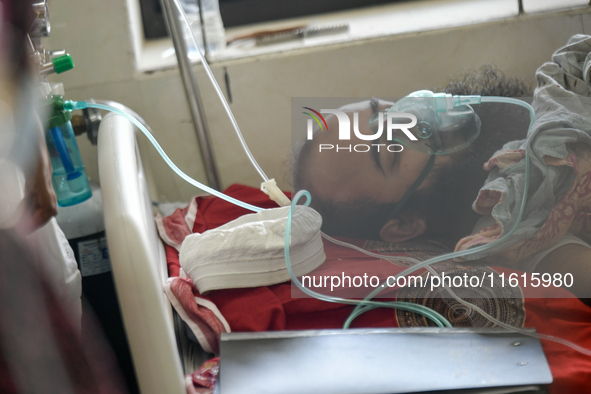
270 189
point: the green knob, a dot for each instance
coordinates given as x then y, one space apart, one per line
63 63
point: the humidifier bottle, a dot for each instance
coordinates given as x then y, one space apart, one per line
69 177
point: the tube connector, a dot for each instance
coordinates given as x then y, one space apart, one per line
271 189
70 105
466 100
443 102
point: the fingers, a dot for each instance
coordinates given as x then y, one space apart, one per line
44 207
41 199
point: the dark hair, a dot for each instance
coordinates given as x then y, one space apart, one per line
488 81
501 123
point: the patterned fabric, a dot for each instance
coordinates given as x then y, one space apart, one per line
559 198
201 315
505 303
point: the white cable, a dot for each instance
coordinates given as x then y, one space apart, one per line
492 319
220 93
345 244
506 326
367 252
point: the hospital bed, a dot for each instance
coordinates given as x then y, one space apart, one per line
139 267
138 260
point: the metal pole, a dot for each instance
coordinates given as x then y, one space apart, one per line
192 92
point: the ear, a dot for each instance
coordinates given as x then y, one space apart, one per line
403 228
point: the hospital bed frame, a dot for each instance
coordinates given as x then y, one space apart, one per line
138 260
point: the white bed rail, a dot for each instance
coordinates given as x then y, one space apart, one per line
137 255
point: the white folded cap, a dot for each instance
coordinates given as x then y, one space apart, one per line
248 251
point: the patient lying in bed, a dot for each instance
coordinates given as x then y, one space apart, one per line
550 310
355 192
440 210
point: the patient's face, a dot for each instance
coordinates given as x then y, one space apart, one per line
378 176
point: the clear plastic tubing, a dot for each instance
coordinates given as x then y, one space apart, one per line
218 90
366 305
504 325
481 248
429 313
72 105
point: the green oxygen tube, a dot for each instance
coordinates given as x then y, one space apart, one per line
69 177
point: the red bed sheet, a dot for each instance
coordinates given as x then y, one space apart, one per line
551 311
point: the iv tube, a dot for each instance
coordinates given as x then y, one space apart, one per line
360 308
356 313
427 312
72 105
481 248
504 325
431 314
218 90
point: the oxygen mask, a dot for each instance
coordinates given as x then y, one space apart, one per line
444 123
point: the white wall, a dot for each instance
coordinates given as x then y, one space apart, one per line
97 35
